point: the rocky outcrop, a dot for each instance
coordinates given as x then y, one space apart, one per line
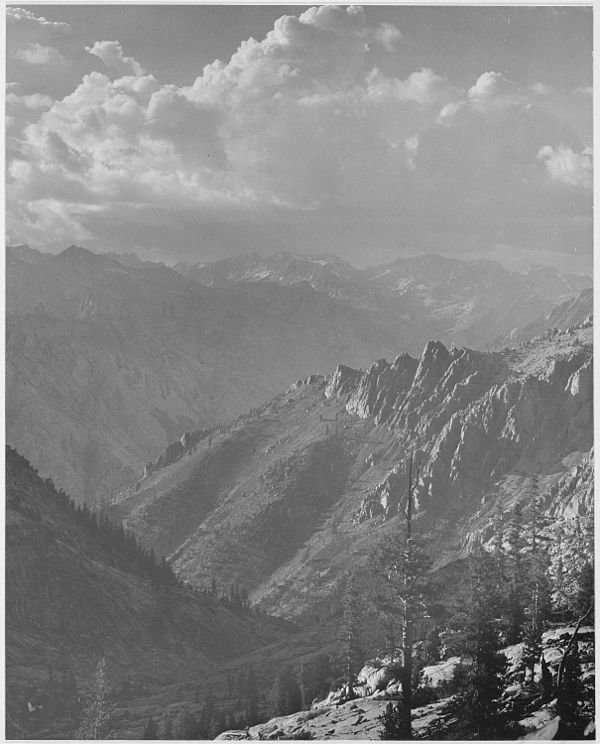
475 416
377 674
297 492
187 443
573 494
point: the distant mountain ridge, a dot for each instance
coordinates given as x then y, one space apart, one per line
457 301
110 358
107 362
572 312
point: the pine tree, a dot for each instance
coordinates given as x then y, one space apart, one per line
350 632
276 698
405 565
394 723
183 725
572 548
150 729
432 646
518 575
538 605
97 716
570 694
251 697
165 726
477 704
302 687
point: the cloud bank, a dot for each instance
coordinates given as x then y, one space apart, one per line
299 132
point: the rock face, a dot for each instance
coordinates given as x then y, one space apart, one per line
469 411
297 494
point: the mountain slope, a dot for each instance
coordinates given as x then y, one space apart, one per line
293 495
72 597
429 296
572 312
106 362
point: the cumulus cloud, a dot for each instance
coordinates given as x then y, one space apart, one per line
493 91
298 123
566 166
423 86
111 53
38 54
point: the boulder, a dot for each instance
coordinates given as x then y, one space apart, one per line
377 673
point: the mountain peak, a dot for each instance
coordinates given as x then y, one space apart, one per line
76 257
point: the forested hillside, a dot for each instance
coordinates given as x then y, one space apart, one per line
80 589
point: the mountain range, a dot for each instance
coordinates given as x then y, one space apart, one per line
291 496
110 358
243 420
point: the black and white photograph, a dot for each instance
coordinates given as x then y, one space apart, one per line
299 424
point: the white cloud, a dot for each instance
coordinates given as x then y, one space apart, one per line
297 123
566 166
388 36
494 91
422 86
542 89
111 53
34 101
586 90
38 54
24 17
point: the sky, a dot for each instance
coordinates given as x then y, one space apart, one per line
199 131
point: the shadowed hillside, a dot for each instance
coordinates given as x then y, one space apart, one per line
75 594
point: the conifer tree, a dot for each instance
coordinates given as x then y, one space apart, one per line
518 575
165 726
183 725
350 632
477 704
539 604
570 694
405 565
251 697
150 729
394 723
97 716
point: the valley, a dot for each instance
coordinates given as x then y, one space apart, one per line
110 358
270 501
288 499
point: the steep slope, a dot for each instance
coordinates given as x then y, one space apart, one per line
572 312
106 362
72 598
294 495
429 296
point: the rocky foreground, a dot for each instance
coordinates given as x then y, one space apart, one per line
358 718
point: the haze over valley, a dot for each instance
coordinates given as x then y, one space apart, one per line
299 373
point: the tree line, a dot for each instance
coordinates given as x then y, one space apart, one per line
120 544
